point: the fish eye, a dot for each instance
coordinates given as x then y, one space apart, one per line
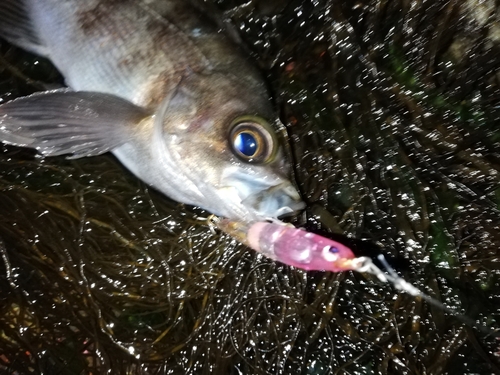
246 143
253 140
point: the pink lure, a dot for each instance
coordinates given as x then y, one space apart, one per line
310 251
299 248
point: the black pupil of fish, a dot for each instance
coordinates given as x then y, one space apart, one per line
333 250
246 144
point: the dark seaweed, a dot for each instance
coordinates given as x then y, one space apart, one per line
392 108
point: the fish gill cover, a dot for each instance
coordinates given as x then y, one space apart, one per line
392 108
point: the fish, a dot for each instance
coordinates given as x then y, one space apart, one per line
164 86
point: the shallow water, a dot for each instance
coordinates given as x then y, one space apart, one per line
392 110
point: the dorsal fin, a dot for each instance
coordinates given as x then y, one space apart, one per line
16 26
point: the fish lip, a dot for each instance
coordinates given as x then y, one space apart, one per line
287 212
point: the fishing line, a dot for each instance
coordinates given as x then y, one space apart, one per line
366 265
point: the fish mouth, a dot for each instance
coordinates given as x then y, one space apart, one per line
258 196
275 201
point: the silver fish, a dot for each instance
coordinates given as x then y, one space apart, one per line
159 85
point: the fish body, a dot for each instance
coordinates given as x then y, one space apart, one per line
157 83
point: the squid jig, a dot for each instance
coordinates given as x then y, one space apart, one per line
308 251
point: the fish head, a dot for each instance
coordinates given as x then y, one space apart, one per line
226 146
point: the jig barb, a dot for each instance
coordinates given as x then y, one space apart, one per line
365 265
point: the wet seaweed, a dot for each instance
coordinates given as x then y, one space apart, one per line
392 110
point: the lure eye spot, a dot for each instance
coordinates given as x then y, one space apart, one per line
331 253
253 140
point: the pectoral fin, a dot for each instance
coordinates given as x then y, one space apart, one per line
65 122
17 27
